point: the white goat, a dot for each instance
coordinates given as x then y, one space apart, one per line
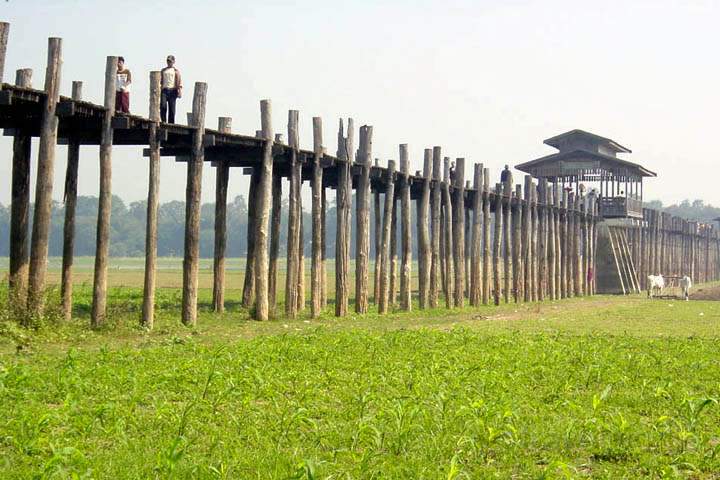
685 284
655 282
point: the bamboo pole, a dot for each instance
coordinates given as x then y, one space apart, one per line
222 172
426 255
448 213
293 238
102 248
45 174
386 232
476 256
406 241
436 207
459 231
317 187
363 221
20 193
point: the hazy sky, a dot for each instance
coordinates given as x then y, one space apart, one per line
486 80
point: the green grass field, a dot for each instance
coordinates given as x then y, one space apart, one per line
606 387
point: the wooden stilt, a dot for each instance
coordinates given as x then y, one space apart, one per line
377 219
20 195
248 296
534 242
459 231
343 200
45 175
527 240
323 247
4 33
317 205
448 213
542 239
476 256
497 243
550 215
97 317
275 217
192 208
436 207
301 249
222 173
406 245
426 254
517 245
486 237
507 186
293 236
148 308
392 298
386 233
263 205
362 255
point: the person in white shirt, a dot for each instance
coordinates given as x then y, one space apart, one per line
171 90
123 80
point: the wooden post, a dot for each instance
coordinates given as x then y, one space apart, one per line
275 217
20 194
343 200
362 250
468 242
558 240
542 239
565 244
192 208
301 248
436 205
517 245
486 237
317 187
571 247
459 231
387 225
294 214
378 239
148 308
476 255
506 234
426 253
45 174
263 204
534 242
4 32
527 240
222 173
70 198
323 247
497 243
448 212
392 297
579 222
248 296
550 212
104 199
406 245
591 244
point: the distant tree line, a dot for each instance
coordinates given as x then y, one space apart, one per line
127 237
695 210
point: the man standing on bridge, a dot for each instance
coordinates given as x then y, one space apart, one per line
171 90
122 87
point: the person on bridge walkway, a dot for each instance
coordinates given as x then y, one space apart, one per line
123 79
171 90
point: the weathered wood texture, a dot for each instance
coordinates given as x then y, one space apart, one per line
385 260
426 254
476 250
192 208
362 251
292 276
406 236
263 204
448 236
507 186
4 34
517 244
222 175
248 295
153 201
19 195
316 278
102 237
345 153
45 176
275 217
436 206
70 200
486 237
459 231
497 242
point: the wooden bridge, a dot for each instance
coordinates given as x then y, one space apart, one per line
478 242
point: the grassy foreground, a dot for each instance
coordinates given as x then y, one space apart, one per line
607 387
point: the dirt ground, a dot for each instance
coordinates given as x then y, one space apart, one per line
705 292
